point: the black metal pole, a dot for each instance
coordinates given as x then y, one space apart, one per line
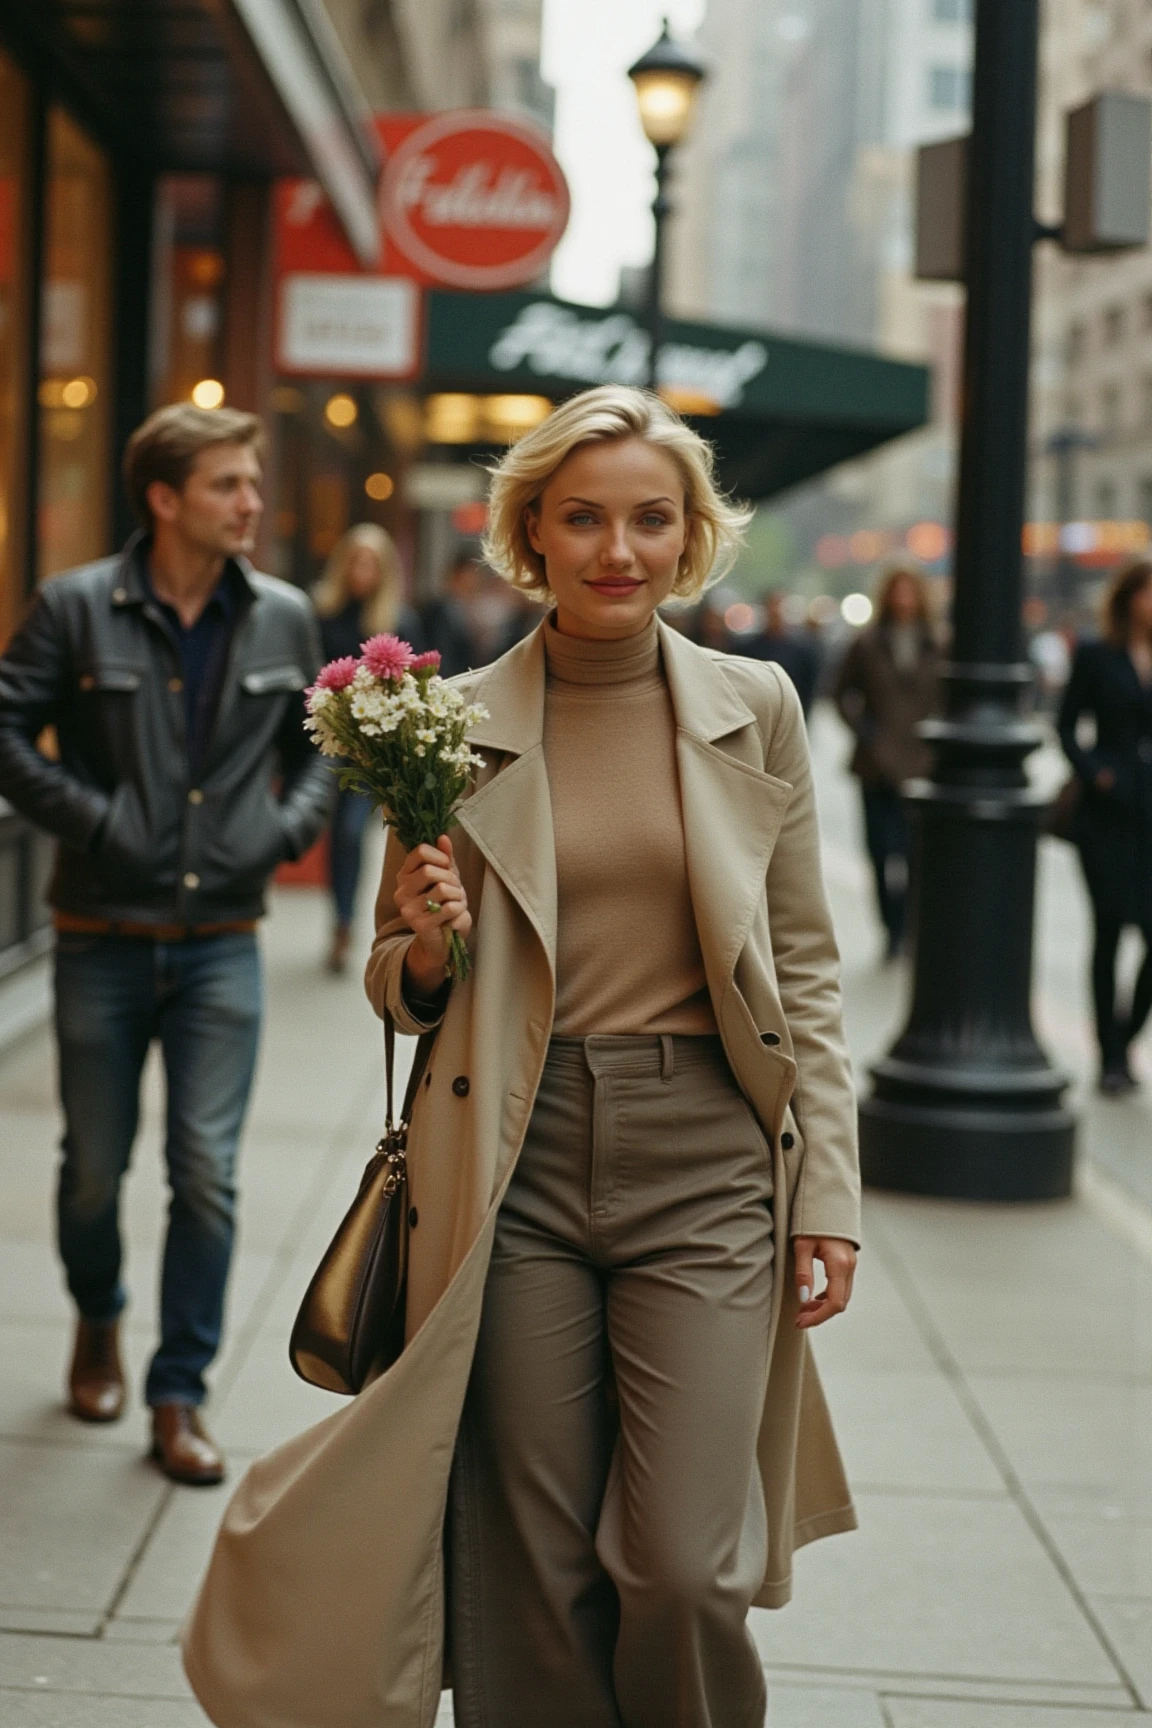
966 1103
661 208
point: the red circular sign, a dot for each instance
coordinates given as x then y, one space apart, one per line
475 200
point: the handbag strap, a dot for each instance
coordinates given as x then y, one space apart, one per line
419 1063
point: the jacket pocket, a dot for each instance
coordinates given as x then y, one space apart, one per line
109 680
280 679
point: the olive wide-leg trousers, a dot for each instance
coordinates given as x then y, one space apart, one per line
607 1528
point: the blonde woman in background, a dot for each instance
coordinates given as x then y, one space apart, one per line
360 594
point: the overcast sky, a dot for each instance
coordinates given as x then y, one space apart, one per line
588 46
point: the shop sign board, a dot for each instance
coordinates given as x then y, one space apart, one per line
534 342
474 199
343 325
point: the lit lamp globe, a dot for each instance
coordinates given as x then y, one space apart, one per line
667 80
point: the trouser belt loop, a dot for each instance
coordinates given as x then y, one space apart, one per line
666 1057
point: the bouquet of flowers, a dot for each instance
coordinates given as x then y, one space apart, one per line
400 733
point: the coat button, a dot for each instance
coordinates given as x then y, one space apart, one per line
460 1086
769 1037
195 796
87 682
175 685
787 1141
413 1218
119 595
191 880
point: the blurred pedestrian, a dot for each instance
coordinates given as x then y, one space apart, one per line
446 618
786 647
889 681
173 675
360 594
615 1212
1105 726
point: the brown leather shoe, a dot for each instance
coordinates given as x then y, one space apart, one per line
96 1378
183 1447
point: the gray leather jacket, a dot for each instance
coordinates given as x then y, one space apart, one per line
138 840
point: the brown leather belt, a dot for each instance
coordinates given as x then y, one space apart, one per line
74 924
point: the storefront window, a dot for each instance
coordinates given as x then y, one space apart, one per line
13 339
188 291
75 387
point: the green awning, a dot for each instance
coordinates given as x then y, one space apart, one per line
779 410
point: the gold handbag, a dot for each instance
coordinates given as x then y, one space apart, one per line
350 1327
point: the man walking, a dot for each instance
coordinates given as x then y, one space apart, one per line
173 676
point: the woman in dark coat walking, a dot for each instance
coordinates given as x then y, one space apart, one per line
1106 730
889 681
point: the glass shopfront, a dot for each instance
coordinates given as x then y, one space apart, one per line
75 391
14 357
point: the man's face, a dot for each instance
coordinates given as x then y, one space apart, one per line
217 510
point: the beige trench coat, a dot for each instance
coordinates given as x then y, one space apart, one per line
323 1602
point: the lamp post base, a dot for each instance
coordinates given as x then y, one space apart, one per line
964 1153
966 1103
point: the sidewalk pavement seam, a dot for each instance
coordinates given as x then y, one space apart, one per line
1121 1213
950 1368
280 1268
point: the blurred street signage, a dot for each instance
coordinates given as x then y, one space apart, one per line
474 199
777 410
443 486
1107 187
357 326
941 185
468 199
1108 173
561 342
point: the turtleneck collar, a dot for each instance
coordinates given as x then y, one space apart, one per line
583 660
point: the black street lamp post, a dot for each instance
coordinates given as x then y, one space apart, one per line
966 1103
667 80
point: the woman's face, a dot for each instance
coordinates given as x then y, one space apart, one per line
1140 614
904 601
363 573
611 529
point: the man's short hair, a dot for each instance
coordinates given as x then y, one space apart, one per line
166 446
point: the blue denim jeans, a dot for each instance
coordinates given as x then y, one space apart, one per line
201 999
349 820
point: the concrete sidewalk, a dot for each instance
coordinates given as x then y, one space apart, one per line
992 1387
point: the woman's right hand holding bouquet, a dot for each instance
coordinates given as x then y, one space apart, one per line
431 900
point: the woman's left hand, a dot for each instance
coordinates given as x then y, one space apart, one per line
838 1258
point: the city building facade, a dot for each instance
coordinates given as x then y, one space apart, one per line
1092 378
795 210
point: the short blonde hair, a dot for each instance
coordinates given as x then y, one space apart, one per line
611 412
381 609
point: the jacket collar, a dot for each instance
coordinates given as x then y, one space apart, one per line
704 703
132 589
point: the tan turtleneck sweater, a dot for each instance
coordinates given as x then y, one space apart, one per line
627 955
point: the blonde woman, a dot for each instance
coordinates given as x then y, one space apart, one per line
360 594
634 1141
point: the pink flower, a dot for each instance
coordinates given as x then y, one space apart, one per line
338 674
429 662
386 656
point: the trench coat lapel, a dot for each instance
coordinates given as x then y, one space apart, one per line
510 817
732 809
